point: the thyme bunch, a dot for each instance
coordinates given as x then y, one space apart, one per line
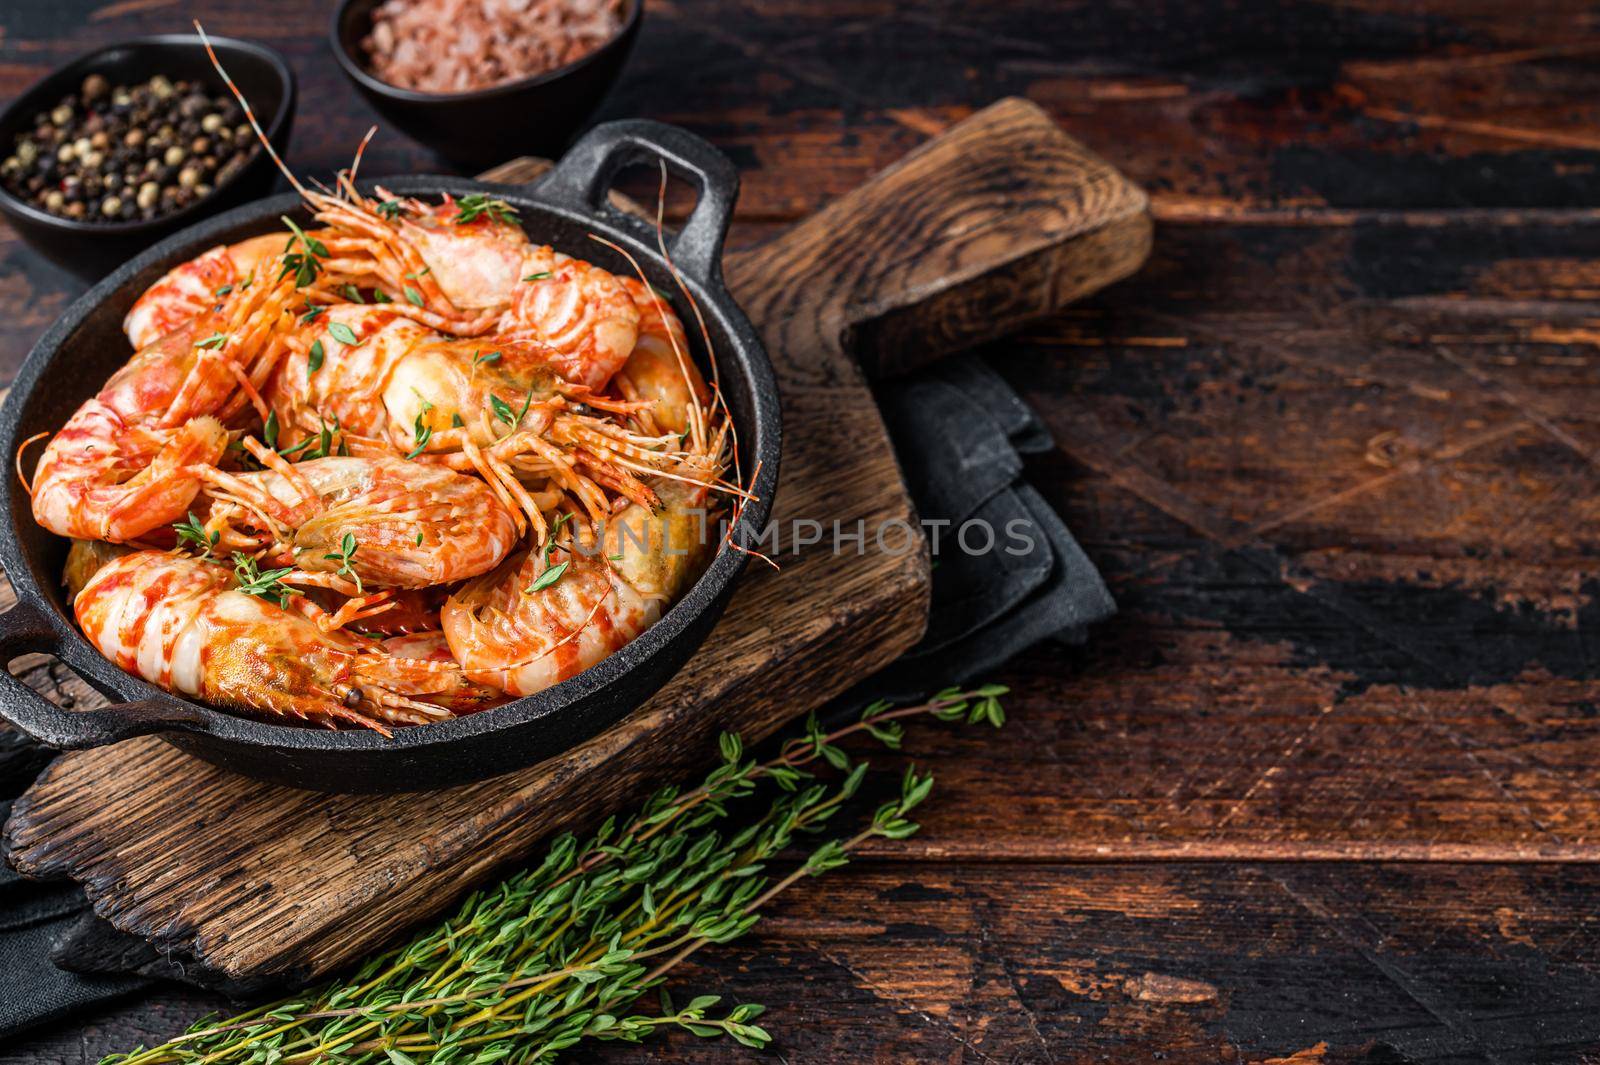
567 950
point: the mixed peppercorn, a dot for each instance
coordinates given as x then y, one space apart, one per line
118 153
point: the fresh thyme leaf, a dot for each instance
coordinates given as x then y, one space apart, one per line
419 539
214 341
413 297
324 442
555 529
502 410
222 290
311 313
422 433
314 357
303 264
475 205
346 552
548 577
616 557
343 334
380 296
485 360
412 275
527 401
269 431
263 584
192 532
352 293
456 422
389 210
540 276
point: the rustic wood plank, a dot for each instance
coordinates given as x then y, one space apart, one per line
1193 963
1268 442
1324 564
1294 103
299 883
1356 107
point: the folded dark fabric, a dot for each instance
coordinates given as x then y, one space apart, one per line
1018 576
34 918
959 431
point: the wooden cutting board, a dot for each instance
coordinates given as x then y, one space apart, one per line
1000 220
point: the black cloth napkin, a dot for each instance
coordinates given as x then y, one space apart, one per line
1007 573
960 433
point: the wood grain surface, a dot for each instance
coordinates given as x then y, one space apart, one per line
281 886
1326 790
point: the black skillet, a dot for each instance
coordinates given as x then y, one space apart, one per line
82 349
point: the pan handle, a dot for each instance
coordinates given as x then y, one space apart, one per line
24 628
585 173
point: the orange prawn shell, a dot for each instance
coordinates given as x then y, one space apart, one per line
414 524
661 368
522 642
188 289
179 623
521 638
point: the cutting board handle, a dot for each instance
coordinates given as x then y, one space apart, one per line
998 221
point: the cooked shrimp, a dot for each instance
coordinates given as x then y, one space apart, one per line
473 405
466 696
545 616
480 467
127 461
465 267
410 525
192 287
84 559
182 624
582 312
660 369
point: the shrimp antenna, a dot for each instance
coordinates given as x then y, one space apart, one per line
23 477
355 164
248 112
719 400
697 414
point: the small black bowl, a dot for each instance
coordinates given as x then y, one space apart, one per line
537 115
93 249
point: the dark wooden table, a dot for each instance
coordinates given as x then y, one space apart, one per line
1327 790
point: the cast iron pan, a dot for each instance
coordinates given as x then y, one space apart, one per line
75 357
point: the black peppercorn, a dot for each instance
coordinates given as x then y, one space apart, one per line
118 152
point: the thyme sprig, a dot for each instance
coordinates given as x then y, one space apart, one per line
566 951
262 583
503 412
195 533
475 205
306 263
321 445
345 556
